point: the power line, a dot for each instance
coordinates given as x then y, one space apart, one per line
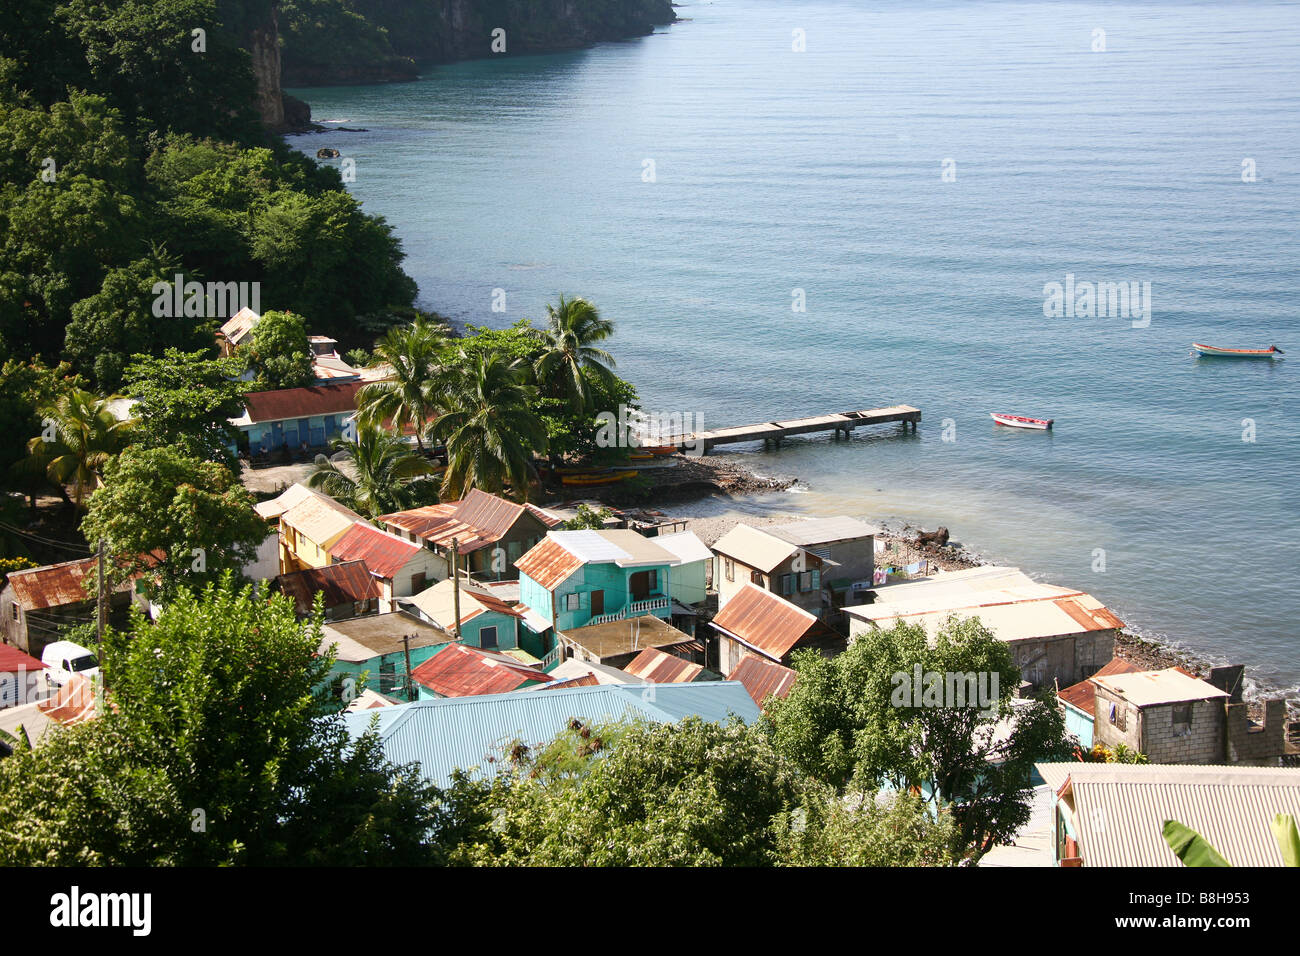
44 540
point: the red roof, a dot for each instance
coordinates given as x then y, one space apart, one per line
763 678
660 667
54 585
307 402
548 564
477 520
347 583
74 703
767 622
1083 695
13 661
461 671
385 554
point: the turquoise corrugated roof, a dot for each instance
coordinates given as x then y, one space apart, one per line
442 735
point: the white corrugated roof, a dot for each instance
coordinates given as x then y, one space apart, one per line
622 547
1168 686
1119 810
685 546
819 531
754 548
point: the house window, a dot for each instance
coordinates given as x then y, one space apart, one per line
1182 719
487 637
573 602
652 579
1117 716
787 583
14 608
418 582
810 581
756 577
729 568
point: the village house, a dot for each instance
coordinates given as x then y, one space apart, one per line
573 579
763 678
1173 717
846 545
491 533
455 670
295 421
377 645
746 556
309 529
478 733
347 590
22 678
401 568
486 621
37 604
1107 814
574 672
617 643
1056 634
756 621
1078 701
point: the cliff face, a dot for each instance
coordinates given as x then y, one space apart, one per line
432 31
263 42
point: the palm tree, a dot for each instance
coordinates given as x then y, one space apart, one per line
569 342
81 436
489 428
384 474
408 395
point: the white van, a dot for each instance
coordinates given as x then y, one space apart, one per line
64 658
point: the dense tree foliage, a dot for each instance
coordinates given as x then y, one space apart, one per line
845 723
216 751
129 155
180 520
687 794
280 352
184 401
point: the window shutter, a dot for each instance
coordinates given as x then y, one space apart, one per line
816 580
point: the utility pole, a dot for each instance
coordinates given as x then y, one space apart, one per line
455 593
101 610
410 681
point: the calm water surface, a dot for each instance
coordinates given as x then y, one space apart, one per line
822 171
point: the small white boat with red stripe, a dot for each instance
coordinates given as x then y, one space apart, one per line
1020 421
1210 351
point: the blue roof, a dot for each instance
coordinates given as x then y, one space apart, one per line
442 735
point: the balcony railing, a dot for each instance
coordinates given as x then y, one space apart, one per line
635 609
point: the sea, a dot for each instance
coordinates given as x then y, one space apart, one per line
797 207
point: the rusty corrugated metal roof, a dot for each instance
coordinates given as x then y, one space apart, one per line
1091 619
1083 695
477 520
461 671
548 563
763 678
660 667
73 704
384 554
314 400
345 583
765 621
54 585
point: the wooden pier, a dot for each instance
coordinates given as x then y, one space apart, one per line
773 432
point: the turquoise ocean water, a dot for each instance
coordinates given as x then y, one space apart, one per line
822 170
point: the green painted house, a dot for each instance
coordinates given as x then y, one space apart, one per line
572 579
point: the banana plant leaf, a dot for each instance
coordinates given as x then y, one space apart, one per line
1288 838
1190 847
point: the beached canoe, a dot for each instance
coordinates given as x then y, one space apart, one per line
1020 421
596 479
1209 351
